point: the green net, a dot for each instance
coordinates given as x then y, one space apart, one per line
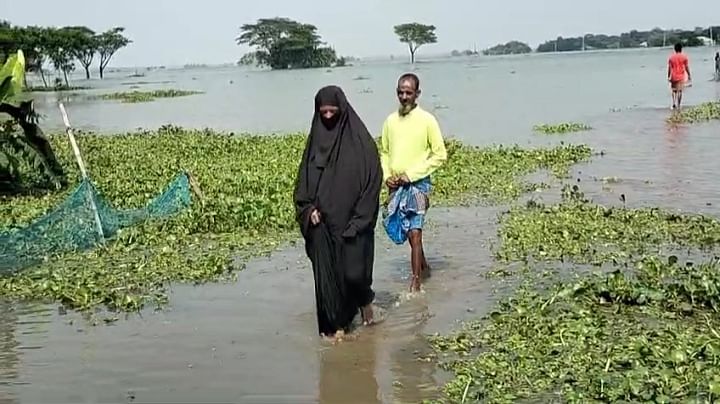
73 225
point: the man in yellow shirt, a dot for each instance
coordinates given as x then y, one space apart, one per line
412 148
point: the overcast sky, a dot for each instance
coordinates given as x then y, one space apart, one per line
176 32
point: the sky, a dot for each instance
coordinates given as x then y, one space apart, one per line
178 32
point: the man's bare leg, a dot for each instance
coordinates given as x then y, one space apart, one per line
417 258
425 265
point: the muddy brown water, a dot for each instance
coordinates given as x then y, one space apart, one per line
253 340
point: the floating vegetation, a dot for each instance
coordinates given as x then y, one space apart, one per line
640 329
247 208
700 113
55 89
133 83
588 233
561 128
495 173
147 96
646 335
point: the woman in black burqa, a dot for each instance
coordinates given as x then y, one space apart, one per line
337 204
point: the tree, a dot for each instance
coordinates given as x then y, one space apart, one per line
34 44
282 43
247 59
108 43
26 146
61 46
510 48
59 43
415 35
7 39
83 46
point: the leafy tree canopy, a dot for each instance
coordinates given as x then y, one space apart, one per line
415 35
282 43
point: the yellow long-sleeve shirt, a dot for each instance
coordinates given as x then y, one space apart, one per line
412 145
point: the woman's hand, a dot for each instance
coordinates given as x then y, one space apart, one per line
315 217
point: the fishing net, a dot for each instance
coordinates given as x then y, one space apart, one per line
75 224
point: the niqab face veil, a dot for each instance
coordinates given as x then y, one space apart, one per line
325 133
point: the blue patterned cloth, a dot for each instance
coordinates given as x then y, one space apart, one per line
406 209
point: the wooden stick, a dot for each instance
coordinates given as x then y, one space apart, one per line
83 171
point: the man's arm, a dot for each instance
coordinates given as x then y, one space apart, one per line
669 73
687 68
438 153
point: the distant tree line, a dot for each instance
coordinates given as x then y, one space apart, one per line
61 47
656 37
466 52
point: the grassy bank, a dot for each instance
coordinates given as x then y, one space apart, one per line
644 328
247 182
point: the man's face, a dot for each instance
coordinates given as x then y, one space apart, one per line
407 93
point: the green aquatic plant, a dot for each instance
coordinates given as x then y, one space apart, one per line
700 113
646 336
561 128
147 96
246 208
56 89
639 329
495 173
584 232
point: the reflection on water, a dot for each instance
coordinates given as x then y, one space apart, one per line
674 162
413 377
9 360
347 373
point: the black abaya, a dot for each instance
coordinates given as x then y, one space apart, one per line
340 176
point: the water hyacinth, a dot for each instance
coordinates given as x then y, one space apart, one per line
641 327
247 207
147 96
561 128
700 113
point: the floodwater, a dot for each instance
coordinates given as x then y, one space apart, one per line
482 100
253 341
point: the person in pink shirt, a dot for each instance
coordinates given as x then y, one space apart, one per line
678 74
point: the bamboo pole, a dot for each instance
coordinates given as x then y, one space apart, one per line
83 171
